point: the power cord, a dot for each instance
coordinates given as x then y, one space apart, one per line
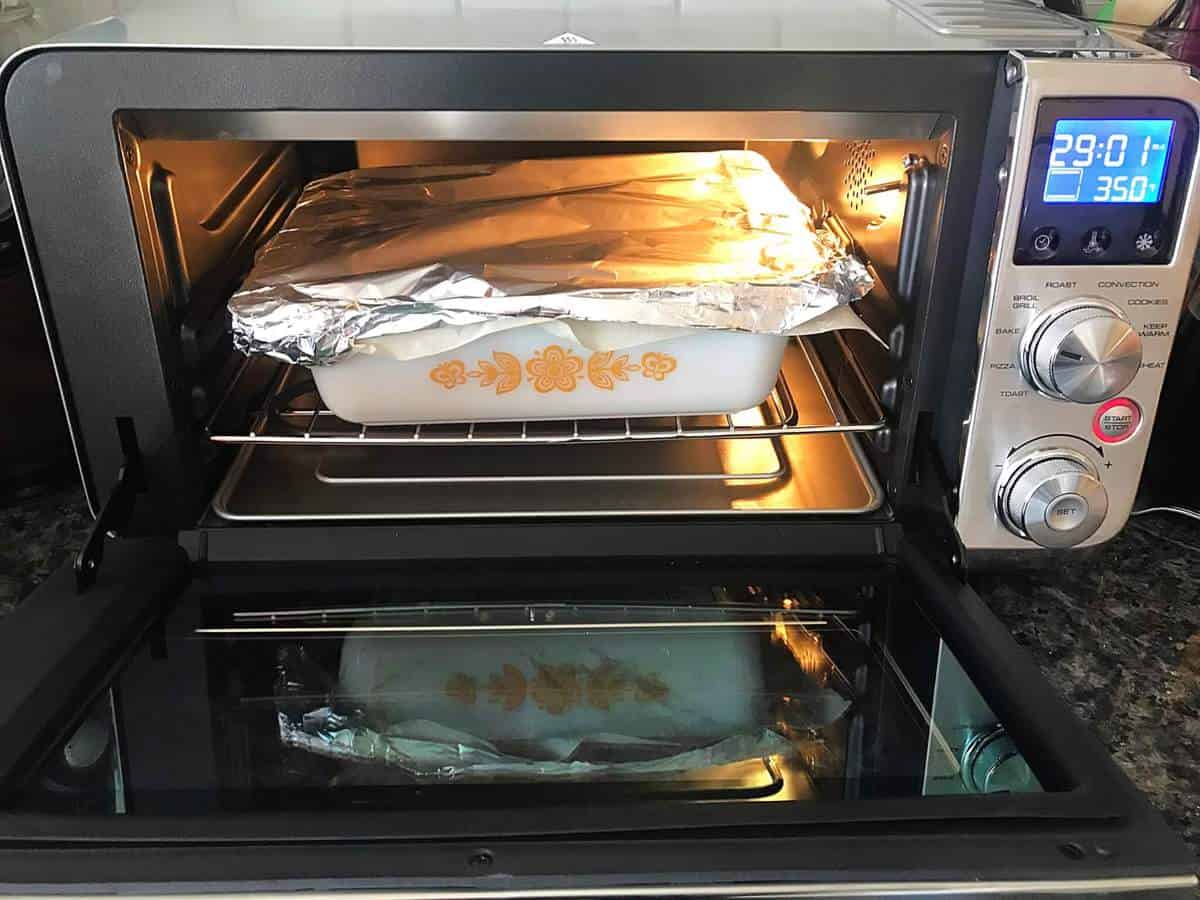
1174 510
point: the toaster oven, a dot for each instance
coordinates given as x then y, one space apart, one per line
681 655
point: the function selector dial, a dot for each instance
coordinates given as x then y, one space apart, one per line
1052 497
1083 350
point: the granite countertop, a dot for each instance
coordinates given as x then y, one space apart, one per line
1116 632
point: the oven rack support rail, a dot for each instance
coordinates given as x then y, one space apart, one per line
292 414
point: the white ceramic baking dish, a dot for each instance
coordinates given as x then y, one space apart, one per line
554 370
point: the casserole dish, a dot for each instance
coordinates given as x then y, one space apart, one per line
633 271
545 371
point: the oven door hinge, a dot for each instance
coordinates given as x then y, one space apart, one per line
926 508
117 510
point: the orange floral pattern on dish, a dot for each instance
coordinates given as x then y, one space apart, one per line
554 369
605 369
651 689
504 371
607 685
556 689
508 687
559 688
658 365
449 374
461 687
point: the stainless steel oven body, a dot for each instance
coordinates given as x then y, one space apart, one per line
1023 188
1030 412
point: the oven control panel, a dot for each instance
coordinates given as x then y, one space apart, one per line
1106 182
1091 260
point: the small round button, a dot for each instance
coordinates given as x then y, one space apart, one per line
1096 241
1148 242
1044 243
1117 420
1066 512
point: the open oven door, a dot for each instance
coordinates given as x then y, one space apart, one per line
870 730
62 646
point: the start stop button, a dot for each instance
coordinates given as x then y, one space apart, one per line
1117 420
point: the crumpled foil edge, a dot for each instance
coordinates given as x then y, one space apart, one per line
432 753
707 240
285 323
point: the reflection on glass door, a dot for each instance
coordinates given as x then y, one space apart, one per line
614 693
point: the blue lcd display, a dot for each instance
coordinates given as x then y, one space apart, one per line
1108 160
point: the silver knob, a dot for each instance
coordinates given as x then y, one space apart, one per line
992 764
1052 497
1083 350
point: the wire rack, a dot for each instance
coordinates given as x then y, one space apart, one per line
546 618
294 414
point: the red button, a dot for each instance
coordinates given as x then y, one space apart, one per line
1117 420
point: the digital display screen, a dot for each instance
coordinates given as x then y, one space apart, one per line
1108 160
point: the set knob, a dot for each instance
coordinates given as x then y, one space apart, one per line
1052 497
1083 350
992 764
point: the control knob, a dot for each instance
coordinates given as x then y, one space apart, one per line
1084 350
992 764
1052 497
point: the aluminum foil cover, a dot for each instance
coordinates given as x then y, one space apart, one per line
703 240
430 752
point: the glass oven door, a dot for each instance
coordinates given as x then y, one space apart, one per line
584 728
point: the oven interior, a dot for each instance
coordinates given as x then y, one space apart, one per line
260 448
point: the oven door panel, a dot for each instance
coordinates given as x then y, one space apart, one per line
61 647
905 644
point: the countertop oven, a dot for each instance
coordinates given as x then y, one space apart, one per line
303 654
